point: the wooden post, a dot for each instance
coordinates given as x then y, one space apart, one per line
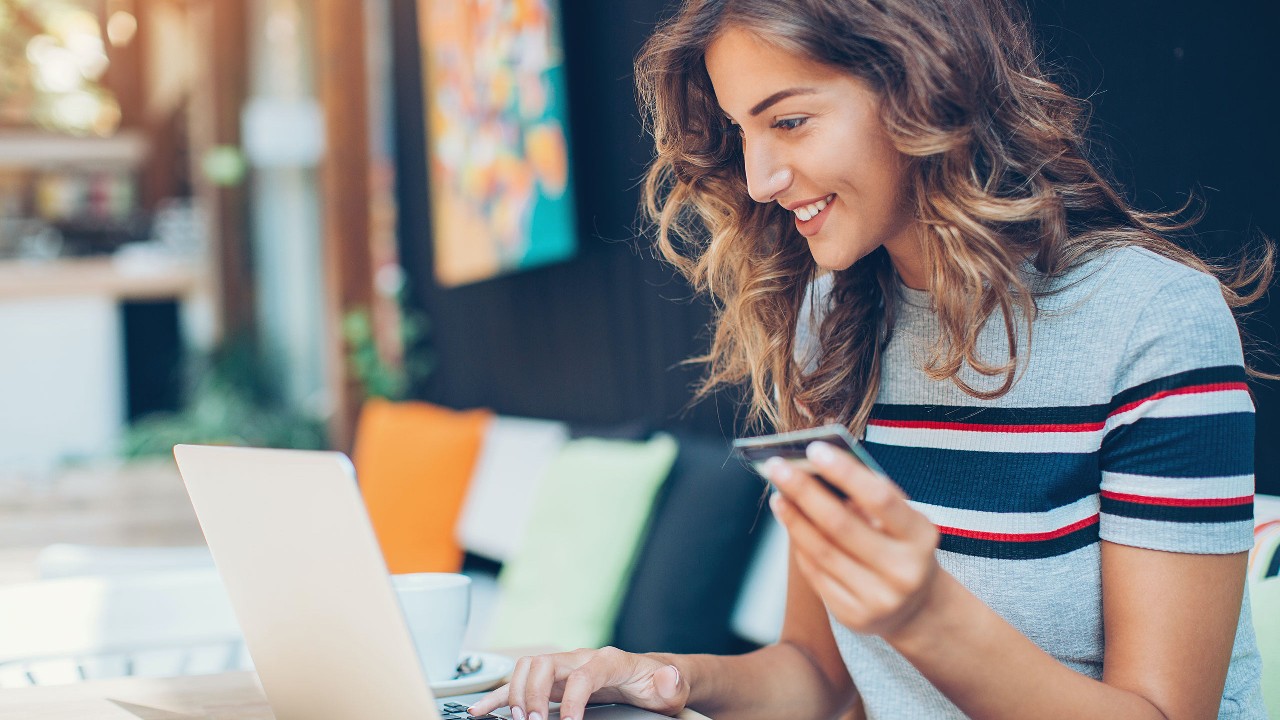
341 79
218 92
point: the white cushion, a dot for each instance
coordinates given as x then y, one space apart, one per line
513 458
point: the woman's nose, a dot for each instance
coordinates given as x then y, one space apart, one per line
767 175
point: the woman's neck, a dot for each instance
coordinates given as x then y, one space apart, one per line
906 252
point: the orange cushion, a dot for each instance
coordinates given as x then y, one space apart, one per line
414 462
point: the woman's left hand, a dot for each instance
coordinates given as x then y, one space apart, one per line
871 557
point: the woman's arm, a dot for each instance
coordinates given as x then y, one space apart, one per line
1170 617
1170 621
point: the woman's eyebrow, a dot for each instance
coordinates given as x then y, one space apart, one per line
779 97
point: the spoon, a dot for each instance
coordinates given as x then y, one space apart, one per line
468 665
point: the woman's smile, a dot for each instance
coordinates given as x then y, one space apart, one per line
810 217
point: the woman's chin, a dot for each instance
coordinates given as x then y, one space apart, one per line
835 259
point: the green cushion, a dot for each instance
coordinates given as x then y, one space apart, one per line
565 581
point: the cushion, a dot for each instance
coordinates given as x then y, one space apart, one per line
563 585
692 564
515 456
414 462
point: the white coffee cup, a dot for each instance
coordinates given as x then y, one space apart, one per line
436 607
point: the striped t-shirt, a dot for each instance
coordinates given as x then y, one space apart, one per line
1130 422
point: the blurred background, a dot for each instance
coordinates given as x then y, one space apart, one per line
237 220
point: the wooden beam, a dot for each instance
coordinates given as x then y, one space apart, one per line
341 79
218 92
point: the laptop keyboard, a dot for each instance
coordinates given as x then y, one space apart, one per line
458 711
455 711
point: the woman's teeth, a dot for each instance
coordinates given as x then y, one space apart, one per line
807 212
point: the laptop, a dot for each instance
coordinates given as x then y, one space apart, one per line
296 550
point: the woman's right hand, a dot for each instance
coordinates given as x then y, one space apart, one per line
606 675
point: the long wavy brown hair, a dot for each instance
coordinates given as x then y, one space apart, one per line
997 174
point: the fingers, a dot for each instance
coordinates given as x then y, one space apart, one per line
491 702
578 687
538 686
835 595
849 529
851 557
532 685
612 675
875 494
519 678
880 606
877 498
574 678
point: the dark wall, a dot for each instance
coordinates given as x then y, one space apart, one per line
1182 94
1184 98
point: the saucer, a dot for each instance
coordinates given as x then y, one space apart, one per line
493 672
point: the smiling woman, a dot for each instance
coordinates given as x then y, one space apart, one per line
891 204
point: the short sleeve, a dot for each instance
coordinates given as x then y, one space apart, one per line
1177 456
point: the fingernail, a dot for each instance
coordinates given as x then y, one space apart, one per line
778 470
820 452
534 716
516 713
774 500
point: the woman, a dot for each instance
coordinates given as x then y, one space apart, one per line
891 205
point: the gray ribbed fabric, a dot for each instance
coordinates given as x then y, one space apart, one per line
1124 321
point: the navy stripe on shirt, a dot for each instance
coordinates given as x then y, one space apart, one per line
1178 513
1216 375
1019 550
1182 447
1011 416
989 481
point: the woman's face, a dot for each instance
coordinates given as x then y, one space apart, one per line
813 142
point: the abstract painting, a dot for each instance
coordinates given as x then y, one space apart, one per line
497 145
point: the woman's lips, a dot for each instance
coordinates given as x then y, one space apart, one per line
810 227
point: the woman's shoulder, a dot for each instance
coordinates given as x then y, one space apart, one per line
1171 317
1124 280
1148 269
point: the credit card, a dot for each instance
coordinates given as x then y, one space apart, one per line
790 446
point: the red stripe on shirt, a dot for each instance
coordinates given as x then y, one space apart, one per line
1179 502
974 427
1189 390
1020 537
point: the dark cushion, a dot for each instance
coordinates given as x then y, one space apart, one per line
691 565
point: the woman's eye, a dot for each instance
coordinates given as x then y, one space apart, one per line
789 123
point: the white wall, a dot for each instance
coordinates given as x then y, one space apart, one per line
61 380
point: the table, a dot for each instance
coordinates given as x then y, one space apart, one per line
140 503
225 696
